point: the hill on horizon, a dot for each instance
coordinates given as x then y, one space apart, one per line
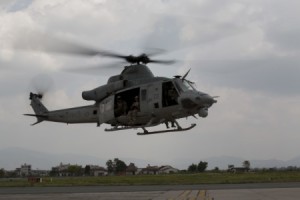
11 158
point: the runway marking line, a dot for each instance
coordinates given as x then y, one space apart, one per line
185 194
192 195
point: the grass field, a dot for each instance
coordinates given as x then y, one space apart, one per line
200 178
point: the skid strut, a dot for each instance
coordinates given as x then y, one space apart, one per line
166 131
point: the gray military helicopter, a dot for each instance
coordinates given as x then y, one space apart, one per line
135 98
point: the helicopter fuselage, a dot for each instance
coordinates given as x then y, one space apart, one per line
160 100
135 98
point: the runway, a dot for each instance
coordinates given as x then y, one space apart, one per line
263 191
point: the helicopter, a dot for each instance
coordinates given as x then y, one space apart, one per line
133 99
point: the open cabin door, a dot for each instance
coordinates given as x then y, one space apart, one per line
106 108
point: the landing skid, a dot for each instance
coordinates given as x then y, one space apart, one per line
166 131
121 128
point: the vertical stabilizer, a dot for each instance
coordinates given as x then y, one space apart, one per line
36 104
41 112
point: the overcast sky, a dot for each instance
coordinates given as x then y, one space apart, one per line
247 52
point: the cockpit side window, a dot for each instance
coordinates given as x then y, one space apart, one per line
178 87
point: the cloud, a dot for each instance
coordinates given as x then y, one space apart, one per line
275 76
282 26
18 5
246 52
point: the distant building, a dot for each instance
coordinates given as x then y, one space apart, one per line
96 170
131 169
61 170
149 170
39 172
233 169
167 169
153 170
24 170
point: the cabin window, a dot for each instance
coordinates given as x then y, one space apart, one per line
169 94
95 112
127 101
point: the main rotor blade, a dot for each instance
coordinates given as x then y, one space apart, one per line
165 62
96 68
153 51
46 42
38 41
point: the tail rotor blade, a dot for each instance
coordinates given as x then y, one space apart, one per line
41 83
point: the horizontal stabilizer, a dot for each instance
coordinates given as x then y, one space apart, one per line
39 116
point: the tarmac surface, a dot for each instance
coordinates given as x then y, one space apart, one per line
257 191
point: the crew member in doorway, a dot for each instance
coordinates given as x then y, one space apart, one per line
134 109
120 107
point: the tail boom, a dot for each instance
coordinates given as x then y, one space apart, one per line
83 114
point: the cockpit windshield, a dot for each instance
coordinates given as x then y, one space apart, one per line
188 85
184 85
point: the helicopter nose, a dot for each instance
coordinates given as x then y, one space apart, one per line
205 99
194 100
209 99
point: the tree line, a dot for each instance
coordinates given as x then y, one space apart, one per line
200 167
113 166
118 166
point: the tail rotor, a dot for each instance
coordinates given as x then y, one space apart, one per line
41 84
